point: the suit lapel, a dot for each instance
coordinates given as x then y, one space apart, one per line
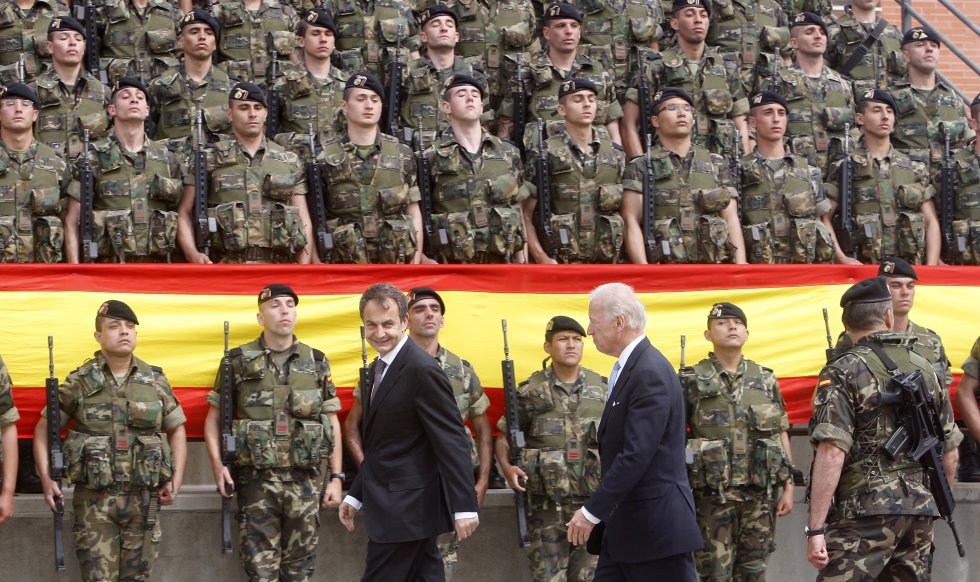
619 390
389 379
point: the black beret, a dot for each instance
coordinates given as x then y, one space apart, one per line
436 10
562 323
66 22
245 91
365 80
322 19
726 310
896 267
767 97
277 290
873 290
463 81
419 293
124 82
682 4
879 96
808 18
19 90
562 10
667 94
116 310
919 33
575 85
203 17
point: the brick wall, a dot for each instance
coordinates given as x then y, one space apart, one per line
950 26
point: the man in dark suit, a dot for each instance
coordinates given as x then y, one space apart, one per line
416 467
644 507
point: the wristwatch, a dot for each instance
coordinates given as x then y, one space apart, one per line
814 532
341 476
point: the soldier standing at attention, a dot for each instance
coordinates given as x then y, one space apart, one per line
253 32
37 181
136 35
257 193
784 211
370 31
696 213
586 178
559 408
137 186
968 403
22 34
8 445
125 453
871 517
749 33
739 462
372 200
882 64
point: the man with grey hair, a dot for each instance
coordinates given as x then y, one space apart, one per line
641 436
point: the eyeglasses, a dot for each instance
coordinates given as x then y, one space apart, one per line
675 107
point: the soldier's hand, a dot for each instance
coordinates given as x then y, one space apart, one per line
481 491
226 485
850 261
579 528
51 492
785 504
199 258
167 493
6 506
427 261
515 476
465 527
333 494
346 514
816 552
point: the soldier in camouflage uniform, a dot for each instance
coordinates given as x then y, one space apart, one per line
821 102
253 33
891 197
125 452
696 216
34 182
8 444
285 422
137 186
711 79
882 64
138 38
559 61
749 33
257 193
70 98
370 32
966 188
586 185
195 85
372 202
968 403
785 215
871 516
793 8
23 27
558 408
477 184
740 450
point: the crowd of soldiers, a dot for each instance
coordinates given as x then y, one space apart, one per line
677 131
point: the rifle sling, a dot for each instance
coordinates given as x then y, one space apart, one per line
866 45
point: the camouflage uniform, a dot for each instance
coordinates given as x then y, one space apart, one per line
250 199
881 66
887 197
971 367
476 199
250 40
561 423
422 92
305 99
369 190
24 32
691 192
283 433
176 100
8 412
927 344
117 455
781 208
586 194
135 39
714 84
820 7
369 33
32 185
819 108
135 203
65 111
966 207
749 33
739 462
881 521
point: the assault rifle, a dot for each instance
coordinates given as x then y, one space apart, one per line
686 375
646 132
229 447
515 437
90 248
736 170
204 225
86 14
433 240
318 211
272 119
831 353
546 234
949 253
55 455
654 253
774 81
393 99
520 107
845 216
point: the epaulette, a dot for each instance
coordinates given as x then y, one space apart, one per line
157 369
465 363
318 356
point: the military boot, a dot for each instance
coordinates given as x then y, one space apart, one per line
969 471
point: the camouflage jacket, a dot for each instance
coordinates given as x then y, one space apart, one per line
819 109
24 32
369 33
919 115
793 7
305 99
749 32
971 367
422 93
137 41
881 66
250 40
33 185
65 112
966 207
177 99
8 411
927 344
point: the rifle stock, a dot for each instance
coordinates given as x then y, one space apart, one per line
317 200
229 446
515 437
845 216
204 225
56 457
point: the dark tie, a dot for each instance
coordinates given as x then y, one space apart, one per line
379 370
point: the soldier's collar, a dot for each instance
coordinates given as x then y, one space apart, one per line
103 363
351 146
292 348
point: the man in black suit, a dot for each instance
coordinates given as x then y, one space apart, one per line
416 465
644 507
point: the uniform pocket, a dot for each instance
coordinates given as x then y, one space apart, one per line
260 442
308 444
147 461
144 415
97 459
305 403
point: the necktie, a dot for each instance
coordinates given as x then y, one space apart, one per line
613 377
379 370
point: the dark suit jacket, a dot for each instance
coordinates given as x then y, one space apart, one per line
644 499
416 469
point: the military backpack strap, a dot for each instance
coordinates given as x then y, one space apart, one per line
862 50
878 351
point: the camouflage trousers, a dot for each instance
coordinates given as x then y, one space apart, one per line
878 547
108 534
738 536
279 519
448 548
553 559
